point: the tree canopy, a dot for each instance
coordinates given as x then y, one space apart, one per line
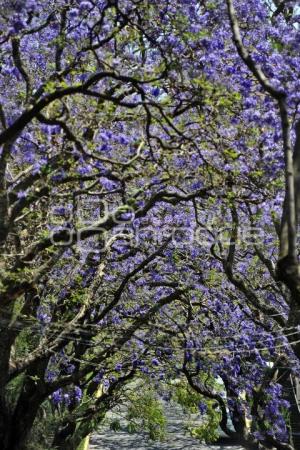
149 204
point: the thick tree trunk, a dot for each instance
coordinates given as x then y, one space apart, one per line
32 395
22 424
7 339
5 422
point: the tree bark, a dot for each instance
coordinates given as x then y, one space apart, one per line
32 395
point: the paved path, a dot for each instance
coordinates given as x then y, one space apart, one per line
122 441
177 439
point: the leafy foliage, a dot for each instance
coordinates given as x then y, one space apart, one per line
149 212
146 414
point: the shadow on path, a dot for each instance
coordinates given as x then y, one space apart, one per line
123 441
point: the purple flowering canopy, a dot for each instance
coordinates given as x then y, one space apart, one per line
149 204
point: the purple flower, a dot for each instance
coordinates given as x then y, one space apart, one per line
118 367
43 315
155 92
84 169
59 211
77 394
57 397
197 185
73 13
99 376
70 368
108 184
202 408
104 147
18 25
258 435
84 6
106 384
50 376
22 194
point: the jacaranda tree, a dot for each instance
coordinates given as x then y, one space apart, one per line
149 186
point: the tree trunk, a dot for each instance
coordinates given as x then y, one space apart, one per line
32 395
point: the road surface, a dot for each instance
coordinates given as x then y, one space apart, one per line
177 439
